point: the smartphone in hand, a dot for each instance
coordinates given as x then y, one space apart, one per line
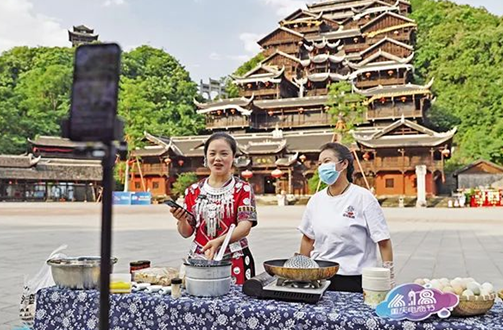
171 203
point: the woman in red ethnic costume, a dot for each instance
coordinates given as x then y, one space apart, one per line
217 202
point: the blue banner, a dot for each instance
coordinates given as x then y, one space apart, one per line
141 198
121 198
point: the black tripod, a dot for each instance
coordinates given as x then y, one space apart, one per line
93 119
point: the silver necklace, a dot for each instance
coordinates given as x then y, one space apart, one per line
215 204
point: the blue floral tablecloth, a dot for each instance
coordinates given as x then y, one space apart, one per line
79 310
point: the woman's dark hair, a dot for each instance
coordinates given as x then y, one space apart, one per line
221 136
343 153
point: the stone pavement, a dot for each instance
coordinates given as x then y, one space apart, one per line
427 242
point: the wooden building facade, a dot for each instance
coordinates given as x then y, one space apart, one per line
51 171
367 43
82 35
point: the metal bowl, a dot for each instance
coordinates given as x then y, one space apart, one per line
77 272
327 270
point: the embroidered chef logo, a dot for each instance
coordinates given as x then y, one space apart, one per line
349 213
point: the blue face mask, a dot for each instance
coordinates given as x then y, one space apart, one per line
328 174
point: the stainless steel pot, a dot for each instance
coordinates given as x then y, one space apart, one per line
210 271
208 287
78 272
208 280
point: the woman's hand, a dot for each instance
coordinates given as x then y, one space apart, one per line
180 214
210 249
386 249
184 227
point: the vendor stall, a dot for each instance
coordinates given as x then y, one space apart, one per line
486 197
77 309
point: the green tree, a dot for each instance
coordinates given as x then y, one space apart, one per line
347 106
156 94
314 183
34 90
183 181
461 47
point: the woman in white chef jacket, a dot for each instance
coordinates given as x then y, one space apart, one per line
344 223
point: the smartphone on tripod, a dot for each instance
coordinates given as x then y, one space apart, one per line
94 93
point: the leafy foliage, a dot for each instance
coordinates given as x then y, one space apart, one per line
34 93
156 94
345 106
314 183
183 181
461 47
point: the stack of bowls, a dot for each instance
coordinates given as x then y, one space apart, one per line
376 284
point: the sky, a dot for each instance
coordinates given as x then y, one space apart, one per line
210 38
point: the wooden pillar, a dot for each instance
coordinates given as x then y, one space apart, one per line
402 151
126 177
141 175
289 181
432 167
374 166
361 169
24 192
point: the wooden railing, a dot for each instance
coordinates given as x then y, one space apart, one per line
403 37
317 92
379 81
287 121
262 91
154 169
394 112
407 164
230 121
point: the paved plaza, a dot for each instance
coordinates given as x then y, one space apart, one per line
427 242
